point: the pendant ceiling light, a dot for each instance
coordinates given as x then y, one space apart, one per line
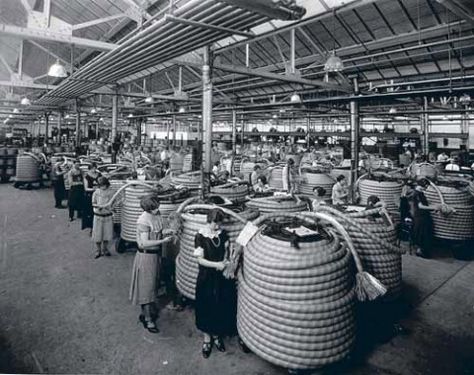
392 110
93 111
57 70
149 99
333 64
295 98
16 110
25 101
182 109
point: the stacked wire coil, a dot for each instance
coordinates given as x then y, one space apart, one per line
235 193
296 305
378 252
458 225
310 180
275 179
277 204
27 169
131 210
387 191
186 262
115 185
190 180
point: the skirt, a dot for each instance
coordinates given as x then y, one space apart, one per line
144 277
76 197
103 229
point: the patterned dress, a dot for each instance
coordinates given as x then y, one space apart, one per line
146 267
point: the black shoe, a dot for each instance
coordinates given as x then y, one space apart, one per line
71 219
243 347
219 344
97 255
420 253
206 349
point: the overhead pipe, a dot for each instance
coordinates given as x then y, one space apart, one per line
282 10
100 67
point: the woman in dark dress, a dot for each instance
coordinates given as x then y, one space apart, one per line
216 299
90 185
414 205
76 190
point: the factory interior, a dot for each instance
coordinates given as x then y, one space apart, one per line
248 187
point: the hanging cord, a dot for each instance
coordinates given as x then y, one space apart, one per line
444 208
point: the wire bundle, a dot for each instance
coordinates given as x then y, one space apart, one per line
190 180
387 191
459 224
115 185
275 179
27 168
131 210
233 192
192 221
277 204
312 179
296 305
375 242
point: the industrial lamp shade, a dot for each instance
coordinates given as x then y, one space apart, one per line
57 70
392 110
25 101
182 109
149 99
295 98
333 63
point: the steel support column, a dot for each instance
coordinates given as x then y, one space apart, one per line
78 127
354 111
139 131
113 134
234 140
425 127
206 122
308 125
60 119
174 131
46 131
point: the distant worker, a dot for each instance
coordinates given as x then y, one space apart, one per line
443 157
340 191
453 165
287 176
255 174
318 197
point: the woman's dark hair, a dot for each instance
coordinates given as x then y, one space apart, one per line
92 165
103 181
372 200
256 166
149 203
340 178
291 161
423 182
263 179
320 191
215 216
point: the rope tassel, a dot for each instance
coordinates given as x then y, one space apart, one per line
368 288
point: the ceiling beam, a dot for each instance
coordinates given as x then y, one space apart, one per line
458 9
52 36
97 21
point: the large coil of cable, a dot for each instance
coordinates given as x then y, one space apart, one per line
27 169
387 191
170 201
189 180
176 163
275 179
277 204
186 263
423 170
131 210
188 163
457 225
311 179
247 167
375 240
471 188
117 207
234 192
296 305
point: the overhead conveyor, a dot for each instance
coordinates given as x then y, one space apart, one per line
165 39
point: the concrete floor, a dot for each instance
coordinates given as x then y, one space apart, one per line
61 311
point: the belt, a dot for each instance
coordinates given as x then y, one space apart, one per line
102 215
145 251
